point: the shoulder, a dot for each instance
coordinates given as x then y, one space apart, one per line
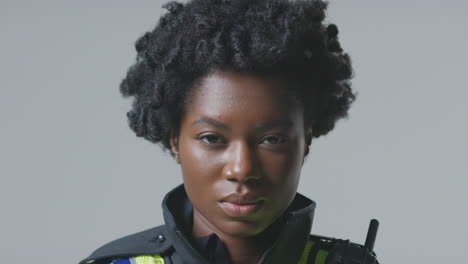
148 242
334 251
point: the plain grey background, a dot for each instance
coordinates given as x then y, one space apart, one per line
74 176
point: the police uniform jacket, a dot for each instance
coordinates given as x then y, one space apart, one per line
172 242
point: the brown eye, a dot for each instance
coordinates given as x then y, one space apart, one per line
210 139
275 140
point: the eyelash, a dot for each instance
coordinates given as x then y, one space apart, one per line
208 136
282 139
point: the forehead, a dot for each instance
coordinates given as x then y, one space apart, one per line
242 96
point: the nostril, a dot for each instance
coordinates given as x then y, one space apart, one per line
245 180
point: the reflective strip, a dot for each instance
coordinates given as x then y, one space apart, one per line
305 253
148 259
321 256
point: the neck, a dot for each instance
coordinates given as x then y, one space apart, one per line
245 250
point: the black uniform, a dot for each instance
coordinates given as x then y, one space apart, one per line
173 241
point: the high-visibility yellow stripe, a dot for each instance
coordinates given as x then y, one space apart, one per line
321 256
305 252
148 259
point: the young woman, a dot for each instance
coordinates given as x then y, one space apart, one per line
235 91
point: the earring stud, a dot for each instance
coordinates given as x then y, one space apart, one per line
177 158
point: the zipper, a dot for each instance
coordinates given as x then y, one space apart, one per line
262 259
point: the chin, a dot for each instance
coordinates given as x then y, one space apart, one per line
241 229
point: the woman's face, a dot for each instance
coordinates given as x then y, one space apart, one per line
241 146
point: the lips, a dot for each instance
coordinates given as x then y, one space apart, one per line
237 198
237 205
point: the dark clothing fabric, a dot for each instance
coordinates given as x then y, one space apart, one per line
295 224
173 240
180 207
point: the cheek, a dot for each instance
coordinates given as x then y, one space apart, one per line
200 170
284 174
283 168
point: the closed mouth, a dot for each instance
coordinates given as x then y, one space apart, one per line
242 199
241 209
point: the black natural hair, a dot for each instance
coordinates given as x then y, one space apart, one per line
263 37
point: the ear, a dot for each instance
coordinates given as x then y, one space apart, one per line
308 141
174 141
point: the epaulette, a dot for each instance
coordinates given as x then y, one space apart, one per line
150 241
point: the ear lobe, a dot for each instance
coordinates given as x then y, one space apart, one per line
174 141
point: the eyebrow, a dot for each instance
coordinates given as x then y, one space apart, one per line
262 126
210 121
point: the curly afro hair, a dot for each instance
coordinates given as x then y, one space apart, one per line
263 37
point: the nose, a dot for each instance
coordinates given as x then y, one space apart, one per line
240 165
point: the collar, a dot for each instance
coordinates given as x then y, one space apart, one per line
288 247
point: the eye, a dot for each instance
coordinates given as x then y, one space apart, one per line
275 140
210 139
